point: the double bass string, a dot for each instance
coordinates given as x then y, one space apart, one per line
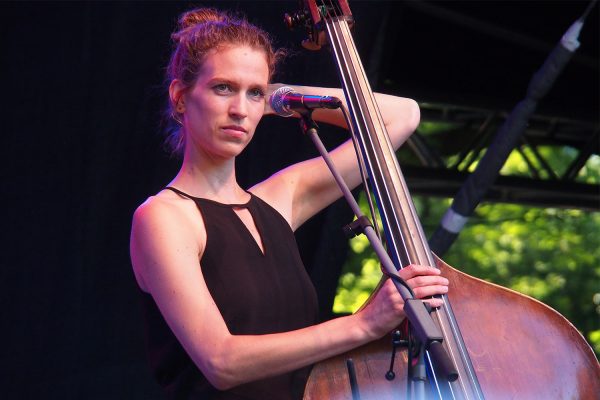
448 331
356 85
336 30
334 37
351 85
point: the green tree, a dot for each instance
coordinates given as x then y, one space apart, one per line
550 254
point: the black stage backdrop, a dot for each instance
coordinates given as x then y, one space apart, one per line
82 86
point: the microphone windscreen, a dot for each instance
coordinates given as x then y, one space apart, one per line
277 101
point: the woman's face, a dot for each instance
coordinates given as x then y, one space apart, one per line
227 101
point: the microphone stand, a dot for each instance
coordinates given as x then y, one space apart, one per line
427 333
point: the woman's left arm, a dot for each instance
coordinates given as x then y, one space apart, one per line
302 190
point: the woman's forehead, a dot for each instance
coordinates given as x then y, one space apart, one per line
237 60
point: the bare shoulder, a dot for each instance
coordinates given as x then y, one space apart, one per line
163 203
166 211
164 228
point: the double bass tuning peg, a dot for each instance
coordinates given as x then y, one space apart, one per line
302 19
296 19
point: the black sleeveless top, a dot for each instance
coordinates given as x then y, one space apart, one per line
256 294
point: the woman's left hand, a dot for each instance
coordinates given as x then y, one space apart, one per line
385 310
425 282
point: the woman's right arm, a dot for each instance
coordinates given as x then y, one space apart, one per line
165 250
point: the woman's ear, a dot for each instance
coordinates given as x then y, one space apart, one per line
176 92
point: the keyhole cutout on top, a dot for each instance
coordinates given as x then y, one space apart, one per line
246 218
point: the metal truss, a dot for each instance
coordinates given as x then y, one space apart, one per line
441 161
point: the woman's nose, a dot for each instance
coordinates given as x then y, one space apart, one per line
238 107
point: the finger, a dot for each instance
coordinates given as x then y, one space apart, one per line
427 291
427 280
413 270
434 302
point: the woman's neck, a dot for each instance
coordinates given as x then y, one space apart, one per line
210 179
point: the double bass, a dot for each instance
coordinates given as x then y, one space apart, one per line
504 345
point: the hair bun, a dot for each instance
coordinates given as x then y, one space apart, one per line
190 19
200 16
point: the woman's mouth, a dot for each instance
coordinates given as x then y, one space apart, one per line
234 131
234 128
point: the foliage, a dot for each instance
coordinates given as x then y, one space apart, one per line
550 254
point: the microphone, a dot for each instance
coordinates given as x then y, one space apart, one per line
285 100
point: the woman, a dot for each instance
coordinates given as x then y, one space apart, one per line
229 308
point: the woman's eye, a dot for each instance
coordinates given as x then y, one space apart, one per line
222 88
256 93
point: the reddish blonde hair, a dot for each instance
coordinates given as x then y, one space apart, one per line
199 31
